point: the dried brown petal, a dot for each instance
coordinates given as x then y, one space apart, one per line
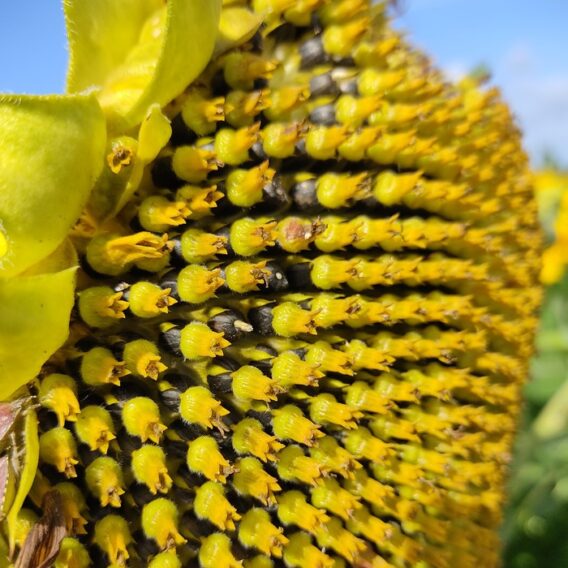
43 542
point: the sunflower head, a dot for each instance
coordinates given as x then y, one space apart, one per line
269 286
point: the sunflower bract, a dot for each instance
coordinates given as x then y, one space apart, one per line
306 342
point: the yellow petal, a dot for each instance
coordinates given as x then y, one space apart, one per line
51 152
34 323
155 131
116 186
139 52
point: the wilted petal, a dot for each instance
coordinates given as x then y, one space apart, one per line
43 542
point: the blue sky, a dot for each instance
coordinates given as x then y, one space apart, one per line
523 42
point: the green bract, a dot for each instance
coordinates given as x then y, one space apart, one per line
34 323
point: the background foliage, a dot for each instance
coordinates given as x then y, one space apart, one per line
536 525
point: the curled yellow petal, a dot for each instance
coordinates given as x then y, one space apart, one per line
138 52
34 324
51 154
29 463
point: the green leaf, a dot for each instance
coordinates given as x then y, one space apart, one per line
34 324
51 153
138 52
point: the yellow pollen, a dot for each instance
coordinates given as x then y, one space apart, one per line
198 341
336 190
216 551
141 418
58 393
332 535
99 367
290 319
294 509
112 535
199 200
157 213
332 457
289 370
95 428
193 164
294 465
149 467
243 276
214 109
329 359
204 457
149 300
300 553
198 406
101 306
329 272
251 480
290 424
329 495
250 438
244 187
251 236
256 531
119 157
324 409
104 480
197 284
160 523
279 139
285 99
211 504
322 141
57 447
143 359
249 383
